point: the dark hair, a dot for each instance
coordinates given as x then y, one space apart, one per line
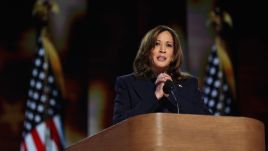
142 62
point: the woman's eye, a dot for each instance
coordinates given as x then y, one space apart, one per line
169 45
157 43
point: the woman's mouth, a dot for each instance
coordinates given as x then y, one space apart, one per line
161 58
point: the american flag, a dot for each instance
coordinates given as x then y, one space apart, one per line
43 130
217 92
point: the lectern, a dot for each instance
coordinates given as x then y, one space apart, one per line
178 132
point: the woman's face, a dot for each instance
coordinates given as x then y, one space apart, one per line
162 52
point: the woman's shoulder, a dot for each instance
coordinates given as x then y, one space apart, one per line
126 76
188 79
131 78
187 76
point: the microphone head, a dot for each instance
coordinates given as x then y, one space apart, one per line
168 86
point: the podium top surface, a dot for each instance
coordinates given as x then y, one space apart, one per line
169 131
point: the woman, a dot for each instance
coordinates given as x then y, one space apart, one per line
158 60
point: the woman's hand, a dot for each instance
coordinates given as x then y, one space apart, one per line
159 82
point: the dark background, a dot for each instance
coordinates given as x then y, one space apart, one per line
102 45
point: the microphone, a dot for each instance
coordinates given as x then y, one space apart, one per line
168 89
168 86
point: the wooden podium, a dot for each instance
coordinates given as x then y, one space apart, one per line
178 132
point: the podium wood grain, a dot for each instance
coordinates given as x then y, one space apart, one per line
174 132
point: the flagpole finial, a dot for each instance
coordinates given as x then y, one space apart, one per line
42 10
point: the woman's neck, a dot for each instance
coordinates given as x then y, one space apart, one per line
156 72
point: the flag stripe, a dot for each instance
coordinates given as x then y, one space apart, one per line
23 146
54 133
57 121
29 143
54 146
39 145
42 130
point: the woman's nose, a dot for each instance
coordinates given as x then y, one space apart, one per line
162 49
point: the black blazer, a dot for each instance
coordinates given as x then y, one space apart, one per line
136 96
